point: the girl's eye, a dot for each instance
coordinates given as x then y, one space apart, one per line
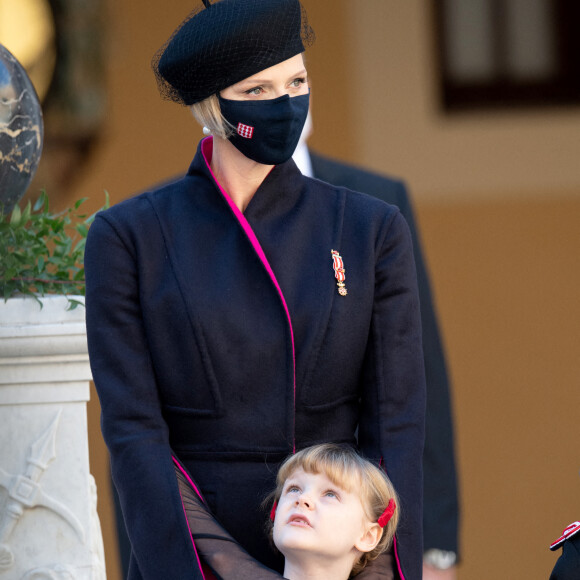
330 493
292 489
255 91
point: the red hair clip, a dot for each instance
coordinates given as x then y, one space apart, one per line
387 514
273 512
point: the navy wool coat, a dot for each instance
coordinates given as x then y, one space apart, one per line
220 338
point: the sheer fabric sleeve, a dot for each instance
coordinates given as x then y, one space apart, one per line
215 547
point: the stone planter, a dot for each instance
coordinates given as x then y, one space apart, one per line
49 528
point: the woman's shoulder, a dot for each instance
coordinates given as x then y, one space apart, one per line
137 219
357 204
364 217
138 206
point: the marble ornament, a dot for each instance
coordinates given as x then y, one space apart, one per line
21 130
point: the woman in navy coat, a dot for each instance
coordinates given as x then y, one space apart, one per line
246 311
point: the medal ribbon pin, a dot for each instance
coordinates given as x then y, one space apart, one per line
339 272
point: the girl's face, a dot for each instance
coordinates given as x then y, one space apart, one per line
285 78
314 517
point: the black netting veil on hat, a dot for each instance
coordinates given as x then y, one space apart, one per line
223 42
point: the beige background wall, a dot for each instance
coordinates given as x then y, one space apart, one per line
393 67
498 197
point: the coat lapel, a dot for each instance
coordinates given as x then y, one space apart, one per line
269 270
298 222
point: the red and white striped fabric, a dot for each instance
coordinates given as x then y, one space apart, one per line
568 532
245 131
339 272
338 266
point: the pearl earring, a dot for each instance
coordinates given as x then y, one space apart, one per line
206 131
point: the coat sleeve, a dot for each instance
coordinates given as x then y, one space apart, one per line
440 494
132 424
391 425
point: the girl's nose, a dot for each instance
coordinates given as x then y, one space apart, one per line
305 501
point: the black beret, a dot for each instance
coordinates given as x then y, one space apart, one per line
227 42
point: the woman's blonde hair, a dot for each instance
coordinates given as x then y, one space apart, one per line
351 472
208 114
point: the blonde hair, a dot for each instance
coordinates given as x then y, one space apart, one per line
208 114
348 470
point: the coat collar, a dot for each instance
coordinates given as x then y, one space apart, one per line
278 193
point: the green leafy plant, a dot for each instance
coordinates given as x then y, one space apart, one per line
42 252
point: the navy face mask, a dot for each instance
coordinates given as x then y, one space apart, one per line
266 131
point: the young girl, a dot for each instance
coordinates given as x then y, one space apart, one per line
333 512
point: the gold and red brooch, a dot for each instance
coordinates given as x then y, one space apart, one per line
339 272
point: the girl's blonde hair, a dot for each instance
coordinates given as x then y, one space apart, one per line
351 472
208 114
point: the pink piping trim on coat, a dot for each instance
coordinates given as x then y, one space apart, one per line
258 249
189 529
395 550
186 475
397 558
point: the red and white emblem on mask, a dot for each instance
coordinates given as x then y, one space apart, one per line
245 131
